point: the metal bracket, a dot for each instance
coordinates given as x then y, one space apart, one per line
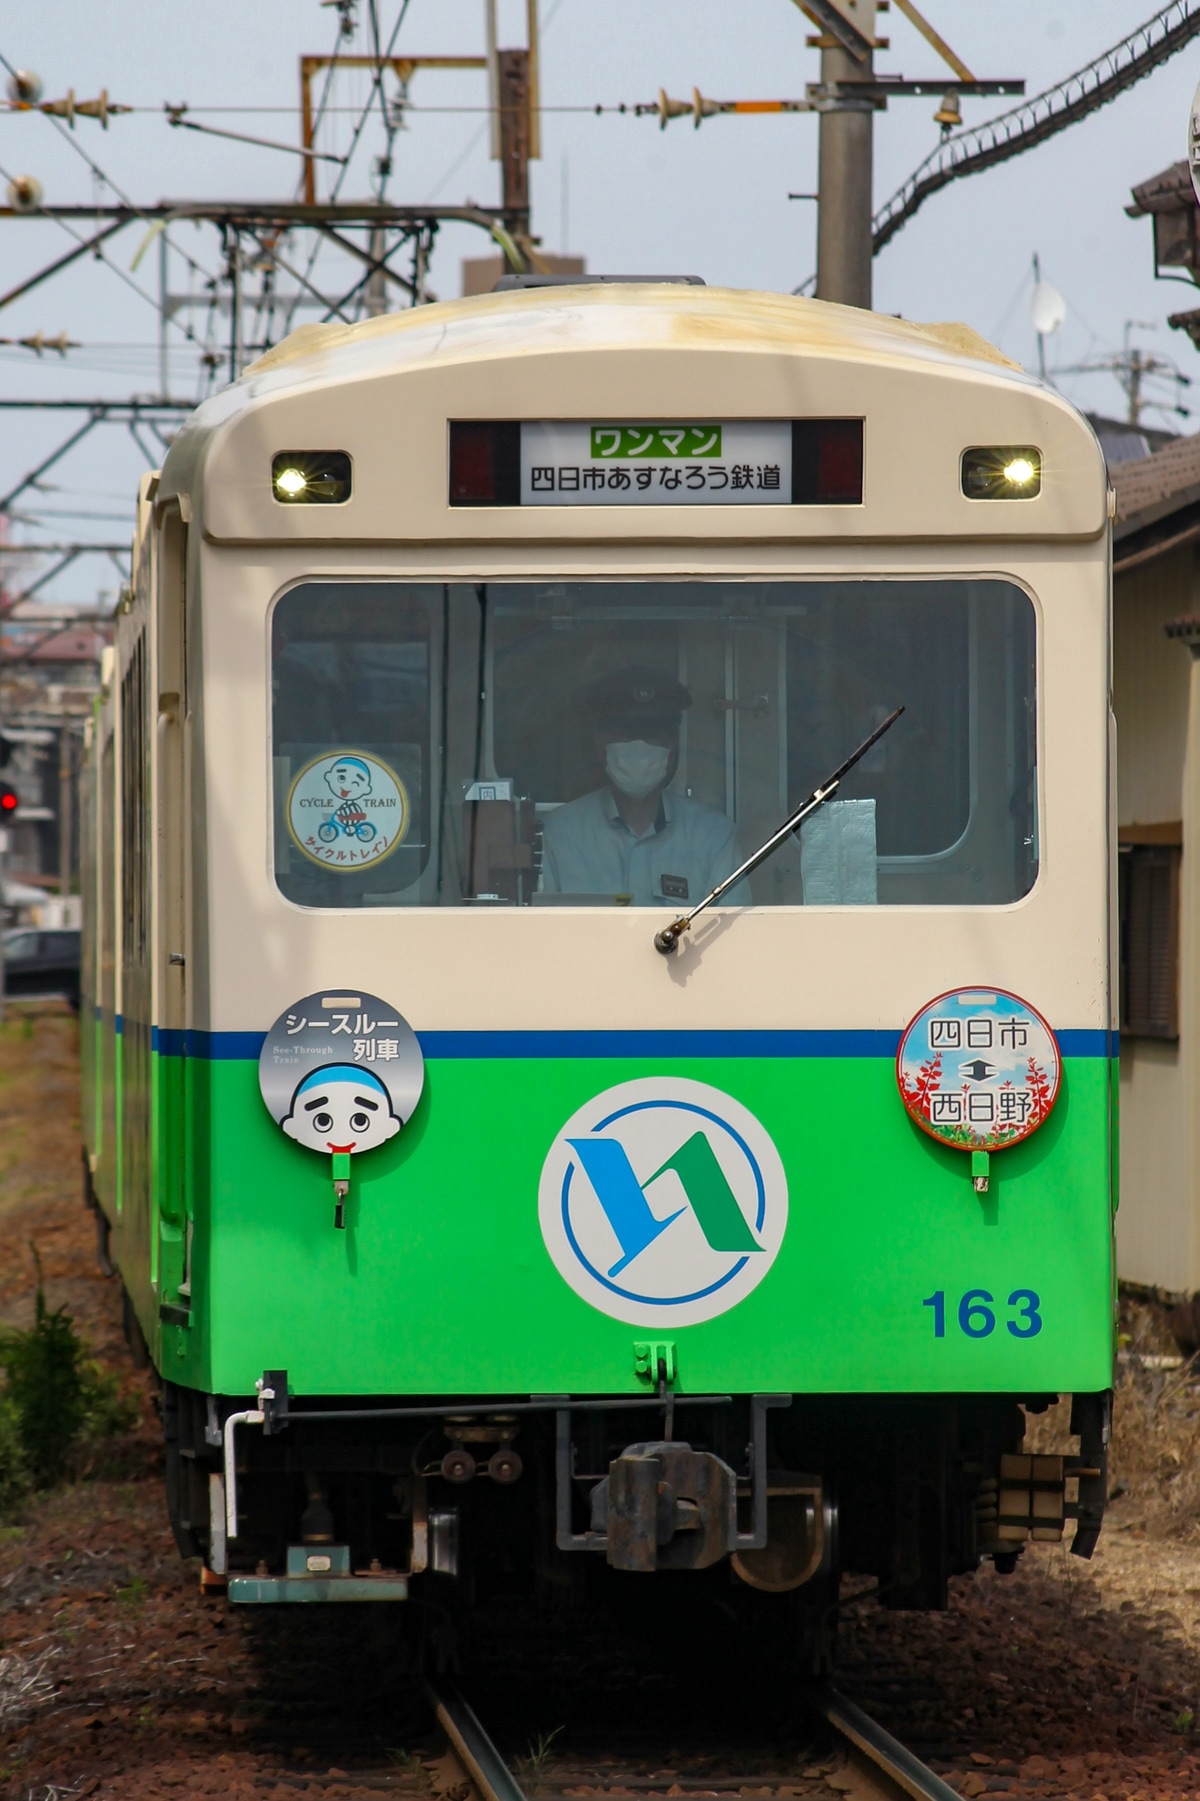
832 97
754 1540
273 1399
830 18
654 1359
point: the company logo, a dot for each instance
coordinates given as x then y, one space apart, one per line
663 1202
347 810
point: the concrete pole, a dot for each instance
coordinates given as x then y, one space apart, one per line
514 140
65 824
376 294
844 188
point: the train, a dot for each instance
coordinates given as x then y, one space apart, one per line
599 1031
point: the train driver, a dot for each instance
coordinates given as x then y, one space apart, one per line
634 835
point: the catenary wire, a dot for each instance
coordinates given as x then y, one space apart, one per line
100 175
355 135
102 256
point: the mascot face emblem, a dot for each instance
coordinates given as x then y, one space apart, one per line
348 778
341 1108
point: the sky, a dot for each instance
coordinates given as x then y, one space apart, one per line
611 187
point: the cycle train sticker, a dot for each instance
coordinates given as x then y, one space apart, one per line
348 809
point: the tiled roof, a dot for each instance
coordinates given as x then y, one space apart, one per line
1156 485
1163 192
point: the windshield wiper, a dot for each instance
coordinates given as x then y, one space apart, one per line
666 940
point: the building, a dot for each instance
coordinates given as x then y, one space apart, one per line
49 674
1156 698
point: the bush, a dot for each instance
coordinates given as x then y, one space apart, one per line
14 1465
46 1387
56 1400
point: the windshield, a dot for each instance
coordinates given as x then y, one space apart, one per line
629 743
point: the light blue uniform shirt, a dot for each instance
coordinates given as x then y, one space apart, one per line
588 849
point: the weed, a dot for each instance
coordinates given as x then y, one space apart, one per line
412 1764
533 1765
134 1592
1183 1722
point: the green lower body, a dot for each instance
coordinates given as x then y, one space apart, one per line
441 1284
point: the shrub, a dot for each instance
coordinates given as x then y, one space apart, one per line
46 1389
14 1465
56 1400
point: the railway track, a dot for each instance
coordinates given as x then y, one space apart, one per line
864 1763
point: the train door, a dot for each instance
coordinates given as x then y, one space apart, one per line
107 1175
135 1021
172 1211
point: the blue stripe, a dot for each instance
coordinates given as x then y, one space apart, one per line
1086 1042
457 1046
659 1044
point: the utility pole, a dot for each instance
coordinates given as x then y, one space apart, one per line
66 829
516 130
845 151
844 158
513 73
375 299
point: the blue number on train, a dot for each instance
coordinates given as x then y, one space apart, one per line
1028 1322
977 1319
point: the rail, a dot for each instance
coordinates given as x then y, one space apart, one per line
882 1763
882 1759
472 1746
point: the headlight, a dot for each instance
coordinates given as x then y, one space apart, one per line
1002 472
311 477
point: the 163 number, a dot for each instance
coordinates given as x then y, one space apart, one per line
976 1313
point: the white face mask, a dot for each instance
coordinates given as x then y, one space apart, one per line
637 768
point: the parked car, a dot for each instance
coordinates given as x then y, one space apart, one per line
40 962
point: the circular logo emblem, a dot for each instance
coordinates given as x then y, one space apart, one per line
979 1069
663 1202
347 809
341 1071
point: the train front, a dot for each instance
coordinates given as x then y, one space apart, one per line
523 1238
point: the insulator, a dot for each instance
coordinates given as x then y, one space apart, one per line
25 193
670 109
705 109
948 114
24 87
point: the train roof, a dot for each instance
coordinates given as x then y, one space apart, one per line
662 350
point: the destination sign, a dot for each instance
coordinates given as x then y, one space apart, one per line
572 464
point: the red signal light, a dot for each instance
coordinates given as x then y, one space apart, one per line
9 798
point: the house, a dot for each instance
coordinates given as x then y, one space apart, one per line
1156 699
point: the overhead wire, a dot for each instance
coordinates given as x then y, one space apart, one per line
100 175
1044 115
101 256
318 116
376 87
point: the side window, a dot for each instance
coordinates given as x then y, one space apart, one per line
134 872
1149 939
351 700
